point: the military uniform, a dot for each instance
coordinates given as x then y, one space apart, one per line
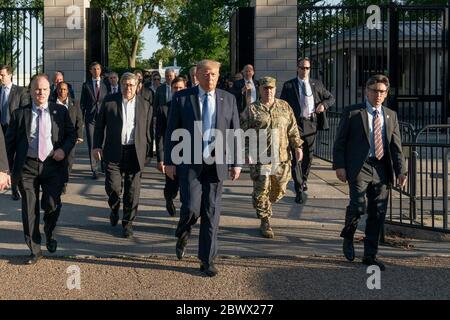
270 179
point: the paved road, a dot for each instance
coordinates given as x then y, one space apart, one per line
303 261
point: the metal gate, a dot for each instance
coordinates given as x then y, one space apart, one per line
21 42
347 44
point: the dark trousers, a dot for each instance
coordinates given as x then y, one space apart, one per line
90 126
371 182
171 188
48 176
309 132
13 184
201 198
126 175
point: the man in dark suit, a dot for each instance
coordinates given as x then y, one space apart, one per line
193 81
57 78
246 90
5 178
367 153
171 187
12 97
198 110
73 106
122 136
113 80
309 99
163 93
92 94
38 140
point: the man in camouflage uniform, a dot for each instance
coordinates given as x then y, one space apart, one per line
270 178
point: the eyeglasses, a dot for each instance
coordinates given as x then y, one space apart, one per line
305 68
376 91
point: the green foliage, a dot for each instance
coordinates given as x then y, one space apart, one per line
198 29
165 54
128 20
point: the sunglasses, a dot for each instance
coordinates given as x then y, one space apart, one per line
156 79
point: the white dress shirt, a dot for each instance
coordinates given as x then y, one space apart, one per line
129 121
308 100
253 89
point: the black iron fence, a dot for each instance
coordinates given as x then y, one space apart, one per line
21 42
347 44
423 203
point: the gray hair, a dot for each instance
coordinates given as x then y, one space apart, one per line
169 70
204 63
127 76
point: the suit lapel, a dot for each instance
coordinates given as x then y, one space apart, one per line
11 95
387 125
27 115
219 118
297 94
92 89
119 108
53 114
365 121
195 104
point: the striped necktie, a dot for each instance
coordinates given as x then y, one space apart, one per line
377 137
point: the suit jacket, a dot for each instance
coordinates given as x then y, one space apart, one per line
160 130
108 128
89 104
18 135
3 157
291 94
184 111
240 97
160 97
76 117
351 147
18 97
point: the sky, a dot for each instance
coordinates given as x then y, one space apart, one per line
151 42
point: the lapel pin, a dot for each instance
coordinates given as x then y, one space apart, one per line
54 111
387 116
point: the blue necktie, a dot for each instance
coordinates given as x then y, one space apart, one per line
4 107
206 121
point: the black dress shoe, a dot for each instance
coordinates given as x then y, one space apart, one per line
299 198
209 270
128 231
348 249
64 189
180 248
94 175
171 208
304 186
34 258
51 245
371 261
114 217
15 194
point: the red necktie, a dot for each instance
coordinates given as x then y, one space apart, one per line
379 152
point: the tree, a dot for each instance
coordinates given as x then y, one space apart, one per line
128 21
198 29
165 54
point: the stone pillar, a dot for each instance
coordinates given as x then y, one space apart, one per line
276 39
64 40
